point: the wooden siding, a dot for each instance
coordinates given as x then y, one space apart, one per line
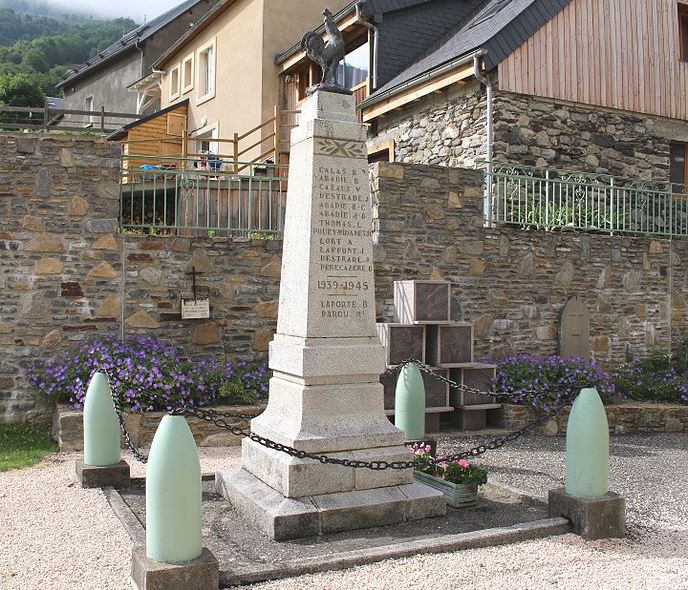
160 135
621 54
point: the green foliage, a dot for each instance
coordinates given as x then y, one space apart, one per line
22 445
20 90
460 471
660 377
45 48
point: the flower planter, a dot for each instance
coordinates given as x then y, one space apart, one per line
458 495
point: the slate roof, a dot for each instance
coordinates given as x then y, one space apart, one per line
128 41
498 27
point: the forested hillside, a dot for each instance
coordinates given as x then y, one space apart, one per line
36 51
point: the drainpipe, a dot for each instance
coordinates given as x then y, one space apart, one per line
487 200
376 33
136 44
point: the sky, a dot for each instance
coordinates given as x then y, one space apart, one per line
135 9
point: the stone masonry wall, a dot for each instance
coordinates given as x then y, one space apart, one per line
548 134
67 274
443 129
64 269
449 129
512 283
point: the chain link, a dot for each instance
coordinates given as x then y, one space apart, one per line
220 419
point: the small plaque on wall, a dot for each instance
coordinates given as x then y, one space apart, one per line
195 309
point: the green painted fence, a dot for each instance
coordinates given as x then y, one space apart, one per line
550 199
202 196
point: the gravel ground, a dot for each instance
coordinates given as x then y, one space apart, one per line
55 535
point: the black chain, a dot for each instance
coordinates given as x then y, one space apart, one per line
219 419
138 454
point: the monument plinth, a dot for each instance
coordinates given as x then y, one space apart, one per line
325 395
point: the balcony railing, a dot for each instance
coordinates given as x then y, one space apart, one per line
202 197
536 198
53 119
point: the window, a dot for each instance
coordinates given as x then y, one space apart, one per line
678 168
206 73
174 83
381 152
353 69
187 73
91 106
683 31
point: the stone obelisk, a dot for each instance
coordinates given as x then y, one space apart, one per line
325 396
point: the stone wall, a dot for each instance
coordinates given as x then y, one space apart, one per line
66 274
512 283
627 418
445 129
65 270
548 134
449 129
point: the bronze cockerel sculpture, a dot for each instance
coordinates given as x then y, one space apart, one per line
326 55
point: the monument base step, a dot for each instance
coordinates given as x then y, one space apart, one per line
283 518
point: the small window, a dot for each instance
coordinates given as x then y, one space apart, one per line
381 152
683 30
678 168
91 107
206 73
174 83
188 73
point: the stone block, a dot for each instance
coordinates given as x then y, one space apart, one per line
471 419
278 517
206 333
423 501
591 518
141 319
436 390
202 573
421 301
402 342
346 511
49 266
449 344
90 476
289 518
102 271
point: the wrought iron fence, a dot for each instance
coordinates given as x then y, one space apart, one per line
537 198
202 196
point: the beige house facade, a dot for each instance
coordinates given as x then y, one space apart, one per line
225 68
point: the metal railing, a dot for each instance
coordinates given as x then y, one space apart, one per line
52 119
202 197
550 199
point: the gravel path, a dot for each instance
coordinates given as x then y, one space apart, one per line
55 535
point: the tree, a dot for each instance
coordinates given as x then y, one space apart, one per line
20 90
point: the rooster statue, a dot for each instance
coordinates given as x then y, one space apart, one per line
326 55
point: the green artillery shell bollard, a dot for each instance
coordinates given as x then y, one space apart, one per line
409 403
101 426
173 494
587 447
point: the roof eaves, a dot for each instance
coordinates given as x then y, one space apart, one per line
285 55
119 132
420 78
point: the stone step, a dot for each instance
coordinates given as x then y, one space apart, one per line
288 518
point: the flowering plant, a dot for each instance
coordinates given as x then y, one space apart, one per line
459 472
547 382
660 377
148 375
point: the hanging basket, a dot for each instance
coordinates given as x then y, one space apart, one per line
459 495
